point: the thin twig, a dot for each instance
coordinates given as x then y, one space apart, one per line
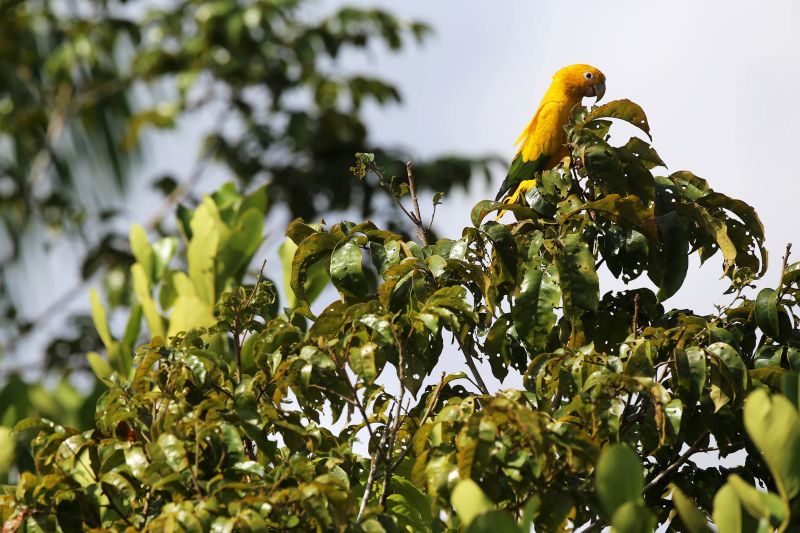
253 293
433 215
330 391
786 256
220 389
240 334
373 469
635 314
114 505
783 268
389 467
469 356
237 345
417 218
694 448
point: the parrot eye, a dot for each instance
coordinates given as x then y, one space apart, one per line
588 75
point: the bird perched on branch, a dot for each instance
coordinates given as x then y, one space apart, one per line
543 143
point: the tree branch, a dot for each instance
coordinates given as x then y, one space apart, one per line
373 469
389 467
417 218
694 448
469 356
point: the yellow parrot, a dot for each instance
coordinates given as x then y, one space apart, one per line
543 143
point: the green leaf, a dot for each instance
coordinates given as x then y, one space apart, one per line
141 287
627 210
8 444
728 370
188 311
315 247
755 229
580 287
484 207
691 371
534 307
132 328
316 276
758 504
258 200
297 230
124 487
728 514
362 361
669 263
633 517
410 505
236 252
201 252
790 387
346 272
99 365
142 250
622 109
137 461
619 478
493 522
766 311
791 274
469 501
644 152
100 320
772 423
250 467
714 228
555 184
693 519
504 250
604 166
529 514
557 506
638 178
174 451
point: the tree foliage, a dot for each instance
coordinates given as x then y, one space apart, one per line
242 414
81 83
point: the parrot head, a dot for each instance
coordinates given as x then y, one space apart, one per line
583 80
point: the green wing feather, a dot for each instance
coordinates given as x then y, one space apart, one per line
520 171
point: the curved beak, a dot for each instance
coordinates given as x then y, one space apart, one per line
597 90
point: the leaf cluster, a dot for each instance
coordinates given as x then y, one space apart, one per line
239 414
